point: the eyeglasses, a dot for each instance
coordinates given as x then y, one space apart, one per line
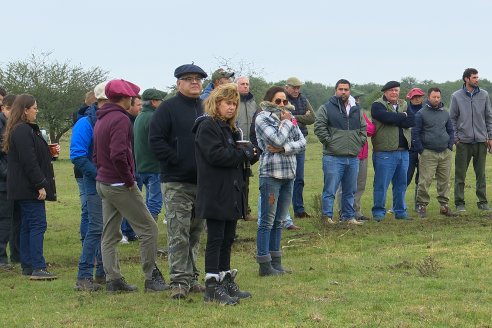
191 79
279 101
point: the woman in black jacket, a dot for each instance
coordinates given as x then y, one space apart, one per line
30 181
220 197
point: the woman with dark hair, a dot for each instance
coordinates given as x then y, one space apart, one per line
30 181
220 158
280 140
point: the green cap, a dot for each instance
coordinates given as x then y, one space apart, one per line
221 73
356 93
294 81
153 94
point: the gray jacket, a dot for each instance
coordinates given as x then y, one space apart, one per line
247 109
471 116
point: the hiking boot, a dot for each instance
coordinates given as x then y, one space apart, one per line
154 285
101 280
293 227
484 207
460 208
446 211
42 274
326 220
87 285
231 287
353 221
266 269
178 292
119 285
215 291
422 211
277 263
157 276
301 215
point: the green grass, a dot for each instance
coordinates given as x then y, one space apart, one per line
419 273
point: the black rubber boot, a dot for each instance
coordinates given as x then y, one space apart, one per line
231 286
215 291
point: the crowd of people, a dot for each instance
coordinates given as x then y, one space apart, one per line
193 154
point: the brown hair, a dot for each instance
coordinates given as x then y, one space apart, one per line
227 92
17 116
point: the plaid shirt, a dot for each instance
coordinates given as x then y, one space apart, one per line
271 131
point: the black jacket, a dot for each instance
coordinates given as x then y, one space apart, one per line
220 166
29 167
171 139
3 156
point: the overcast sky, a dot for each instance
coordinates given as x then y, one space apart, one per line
320 41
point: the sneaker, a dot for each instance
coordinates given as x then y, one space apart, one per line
326 220
87 285
484 207
293 227
446 211
42 274
422 211
353 221
461 208
178 292
124 240
101 280
119 285
26 271
301 215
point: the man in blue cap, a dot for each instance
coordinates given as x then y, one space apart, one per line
173 144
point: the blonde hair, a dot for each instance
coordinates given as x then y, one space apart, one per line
227 92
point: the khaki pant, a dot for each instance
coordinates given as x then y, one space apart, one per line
119 202
432 163
183 232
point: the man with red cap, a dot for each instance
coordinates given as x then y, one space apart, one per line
115 183
415 99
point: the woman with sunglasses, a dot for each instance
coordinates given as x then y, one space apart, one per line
280 140
30 181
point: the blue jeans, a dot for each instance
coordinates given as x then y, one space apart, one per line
153 194
91 248
33 227
390 166
276 195
344 170
84 214
297 200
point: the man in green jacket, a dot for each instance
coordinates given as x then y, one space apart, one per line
147 165
342 130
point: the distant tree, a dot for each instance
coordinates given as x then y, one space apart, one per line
59 88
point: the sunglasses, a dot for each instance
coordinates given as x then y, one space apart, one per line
279 101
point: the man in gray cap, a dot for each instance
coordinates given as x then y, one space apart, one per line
304 115
173 145
146 164
219 77
390 144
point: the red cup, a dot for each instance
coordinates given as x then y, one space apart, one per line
54 152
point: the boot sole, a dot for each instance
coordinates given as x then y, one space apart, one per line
214 301
42 278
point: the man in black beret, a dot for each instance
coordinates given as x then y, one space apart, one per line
172 143
390 144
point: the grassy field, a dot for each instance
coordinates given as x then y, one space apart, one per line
418 273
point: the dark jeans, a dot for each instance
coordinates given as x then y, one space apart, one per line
220 235
413 165
33 227
6 213
84 214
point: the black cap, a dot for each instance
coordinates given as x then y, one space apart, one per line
189 69
390 85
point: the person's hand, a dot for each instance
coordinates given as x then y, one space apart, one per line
286 115
273 149
42 194
58 148
489 145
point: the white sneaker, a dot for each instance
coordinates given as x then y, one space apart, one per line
124 240
354 221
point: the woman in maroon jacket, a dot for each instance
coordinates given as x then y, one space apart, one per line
30 181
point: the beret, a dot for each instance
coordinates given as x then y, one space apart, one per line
390 85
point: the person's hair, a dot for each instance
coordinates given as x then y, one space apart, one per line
8 100
469 72
227 92
3 93
133 99
17 116
342 81
270 93
434 89
242 78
